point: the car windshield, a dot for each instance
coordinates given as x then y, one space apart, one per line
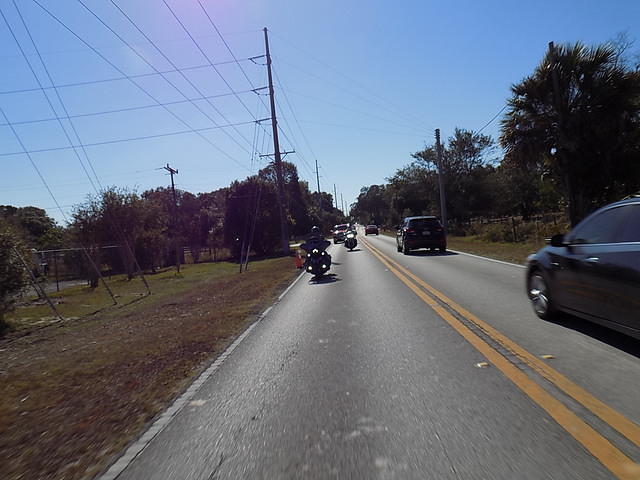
342 227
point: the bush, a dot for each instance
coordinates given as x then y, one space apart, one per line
12 273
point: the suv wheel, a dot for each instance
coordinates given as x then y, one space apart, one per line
539 295
405 249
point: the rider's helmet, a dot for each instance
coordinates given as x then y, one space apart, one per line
315 230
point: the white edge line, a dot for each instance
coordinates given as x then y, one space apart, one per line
483 258
487 258
156 427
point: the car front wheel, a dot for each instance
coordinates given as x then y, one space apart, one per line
540 297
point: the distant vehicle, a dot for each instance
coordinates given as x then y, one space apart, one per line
420 232
371 230
350 241
592 272
339 232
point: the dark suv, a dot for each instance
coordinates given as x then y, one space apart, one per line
420 232
593 271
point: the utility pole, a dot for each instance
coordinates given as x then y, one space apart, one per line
319 196
335 195
443 205
276 152
342 203
173 172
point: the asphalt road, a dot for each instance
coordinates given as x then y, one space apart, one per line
368 375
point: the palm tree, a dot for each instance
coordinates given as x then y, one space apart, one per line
577 117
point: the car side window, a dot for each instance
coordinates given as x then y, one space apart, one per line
602 228
630 231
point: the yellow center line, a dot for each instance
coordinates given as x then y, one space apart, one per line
612 458
616 420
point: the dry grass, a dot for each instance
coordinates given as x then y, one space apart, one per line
75 394
507 252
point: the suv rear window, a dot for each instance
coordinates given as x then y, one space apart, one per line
342 227
424 222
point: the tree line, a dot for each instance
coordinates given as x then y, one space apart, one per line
123 231
570 138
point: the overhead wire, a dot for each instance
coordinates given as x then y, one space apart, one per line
125 109
130 139
492 119
53 109
362 112
116 79
340 87
55 200
166 57
114 222
205 55
226 44
137 84
360 85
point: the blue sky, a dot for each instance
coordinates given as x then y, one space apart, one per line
360 85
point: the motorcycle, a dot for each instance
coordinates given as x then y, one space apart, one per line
317 261
350 240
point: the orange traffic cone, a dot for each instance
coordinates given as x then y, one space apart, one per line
298 259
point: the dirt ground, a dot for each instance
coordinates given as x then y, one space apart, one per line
75 395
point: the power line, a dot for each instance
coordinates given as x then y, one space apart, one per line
64 130
372 115
64 215
286 97
121 110
113 221
116 79
137 84
349 92
193 85
123 140
229 49
492 119
204 54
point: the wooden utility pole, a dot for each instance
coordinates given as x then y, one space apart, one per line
335 195
443 205
173 172
319 196
276 153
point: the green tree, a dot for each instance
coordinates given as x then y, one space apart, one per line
577 118
12 273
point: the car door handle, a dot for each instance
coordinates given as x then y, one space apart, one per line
591 260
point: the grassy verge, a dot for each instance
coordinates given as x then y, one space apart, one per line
507 252
75 394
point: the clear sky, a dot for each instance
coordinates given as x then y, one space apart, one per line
360 85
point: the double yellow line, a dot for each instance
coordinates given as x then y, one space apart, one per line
611 457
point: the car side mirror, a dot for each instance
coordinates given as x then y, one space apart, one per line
557 241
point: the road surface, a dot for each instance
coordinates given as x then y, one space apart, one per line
421 366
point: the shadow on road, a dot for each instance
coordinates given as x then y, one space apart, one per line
330 278
354 250
613 338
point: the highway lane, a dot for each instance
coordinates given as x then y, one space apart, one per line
495 292
357 377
